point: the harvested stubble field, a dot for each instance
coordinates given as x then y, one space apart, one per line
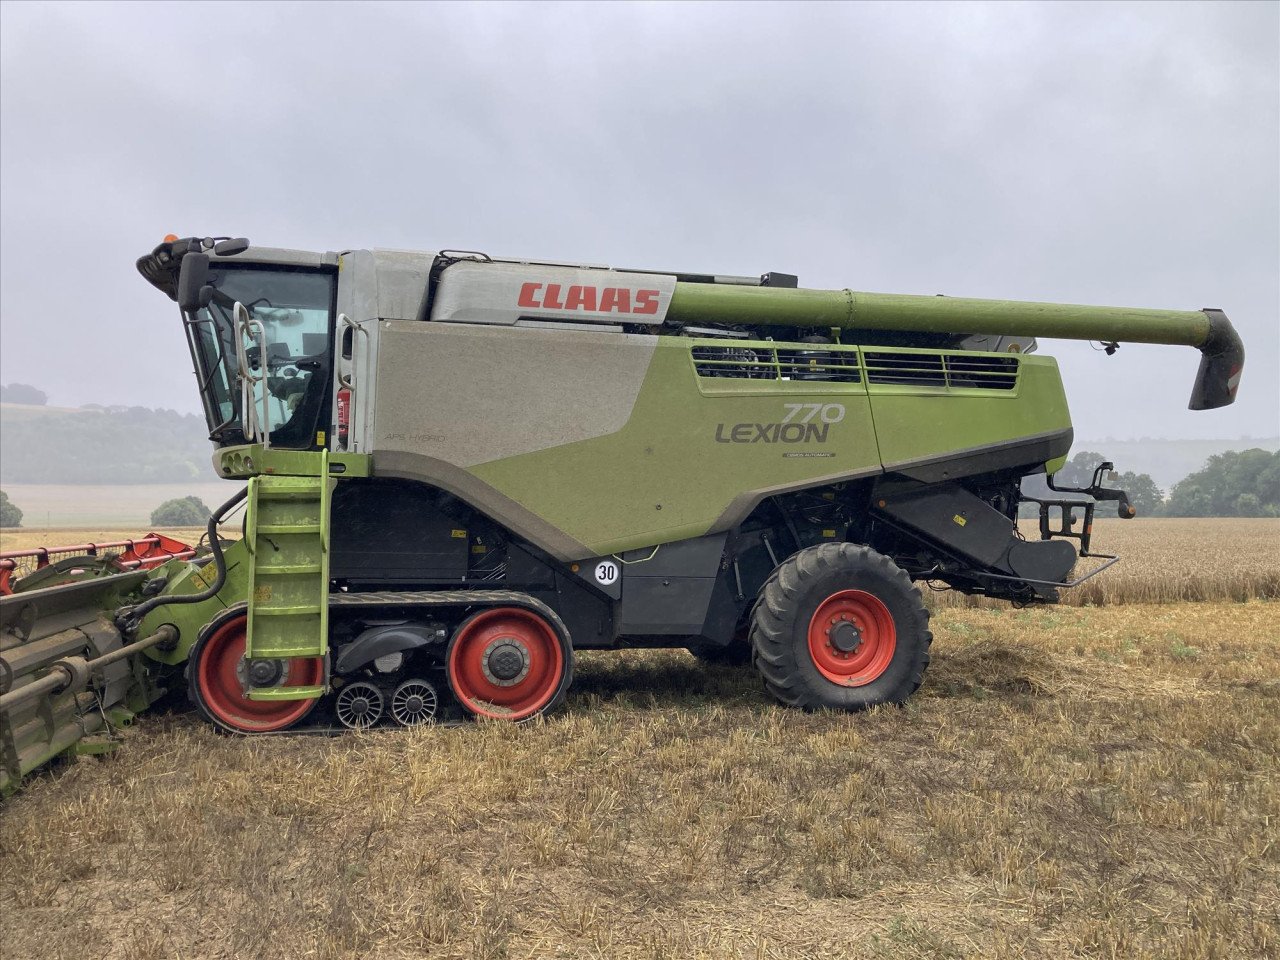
1171 560
1069 782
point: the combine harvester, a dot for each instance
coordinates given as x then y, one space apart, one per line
461 469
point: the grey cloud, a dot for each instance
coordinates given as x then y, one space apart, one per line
1121 154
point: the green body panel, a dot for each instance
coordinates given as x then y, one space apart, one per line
1056 464
251 460
664 476
847 309
915 423
186 578
675 471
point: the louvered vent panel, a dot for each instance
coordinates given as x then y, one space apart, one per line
955 370
756 363
740 363
825 365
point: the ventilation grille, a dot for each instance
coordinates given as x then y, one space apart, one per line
955 370
819 363
830 364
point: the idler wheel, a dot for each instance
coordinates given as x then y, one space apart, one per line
216 671
358 705
508 663
414 702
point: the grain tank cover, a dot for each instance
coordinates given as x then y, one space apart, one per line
507 293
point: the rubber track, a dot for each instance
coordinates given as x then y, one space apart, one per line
470 598
448 598
773 651
425 598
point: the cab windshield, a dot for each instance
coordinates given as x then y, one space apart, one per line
286 349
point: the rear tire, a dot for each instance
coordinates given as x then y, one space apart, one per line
840 626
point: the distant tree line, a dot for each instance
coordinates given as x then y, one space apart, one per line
22 393
180 512
10 515
105 445
1238 483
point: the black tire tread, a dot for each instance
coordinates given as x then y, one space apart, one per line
773 620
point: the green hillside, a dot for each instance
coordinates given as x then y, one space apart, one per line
116 445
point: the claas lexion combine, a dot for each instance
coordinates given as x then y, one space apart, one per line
461 469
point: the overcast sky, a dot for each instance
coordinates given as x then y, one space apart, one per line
1087 153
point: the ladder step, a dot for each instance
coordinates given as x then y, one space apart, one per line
287 568
267 651
287 693
277 485
261 611
288 576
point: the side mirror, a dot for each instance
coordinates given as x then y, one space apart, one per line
191 281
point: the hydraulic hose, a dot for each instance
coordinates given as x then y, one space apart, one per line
128 618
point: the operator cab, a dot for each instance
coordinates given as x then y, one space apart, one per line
260 329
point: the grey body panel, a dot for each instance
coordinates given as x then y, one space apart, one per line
469 394
502 293
383 284
445 405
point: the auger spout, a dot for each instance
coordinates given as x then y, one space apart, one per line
1209 329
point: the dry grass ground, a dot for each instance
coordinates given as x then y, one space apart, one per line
1068 783
1088 782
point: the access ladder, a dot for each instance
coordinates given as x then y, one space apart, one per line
287 533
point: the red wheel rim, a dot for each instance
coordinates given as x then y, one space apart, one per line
222 693
487 689
852 638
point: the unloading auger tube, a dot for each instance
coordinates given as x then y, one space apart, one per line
1222 353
